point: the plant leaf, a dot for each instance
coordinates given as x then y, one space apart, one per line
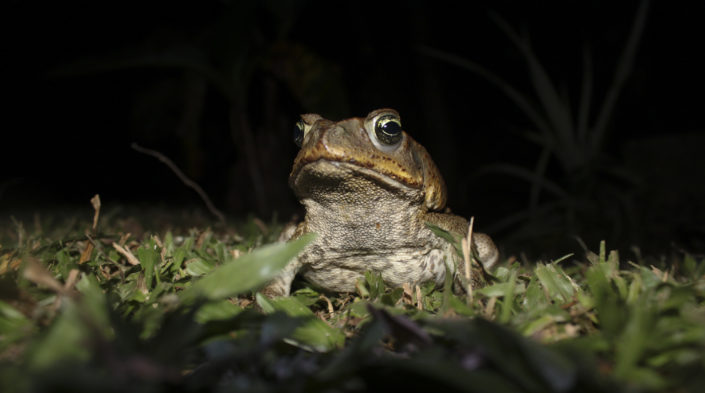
314 333
246 272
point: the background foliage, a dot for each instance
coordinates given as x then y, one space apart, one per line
595 116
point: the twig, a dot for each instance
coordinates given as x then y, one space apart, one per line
419 300
95 201
131 258
467 254
331 310
90 244
71 280
188 182
38 274
87 251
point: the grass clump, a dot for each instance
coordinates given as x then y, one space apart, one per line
98 310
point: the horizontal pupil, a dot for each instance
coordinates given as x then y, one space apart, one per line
391 128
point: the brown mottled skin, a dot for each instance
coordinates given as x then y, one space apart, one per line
369 201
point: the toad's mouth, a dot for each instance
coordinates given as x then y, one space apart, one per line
379 163
340 177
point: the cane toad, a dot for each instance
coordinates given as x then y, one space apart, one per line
369 189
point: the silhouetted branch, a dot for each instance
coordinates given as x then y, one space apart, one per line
188 182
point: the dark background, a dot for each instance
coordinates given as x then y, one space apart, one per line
218 85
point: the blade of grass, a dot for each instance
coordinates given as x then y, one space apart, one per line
557 111
314 333
527 175
246 272
520 100
624 68
582 125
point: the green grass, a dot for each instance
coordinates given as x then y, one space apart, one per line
76 315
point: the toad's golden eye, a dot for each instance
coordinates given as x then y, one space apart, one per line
388 129
299 133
